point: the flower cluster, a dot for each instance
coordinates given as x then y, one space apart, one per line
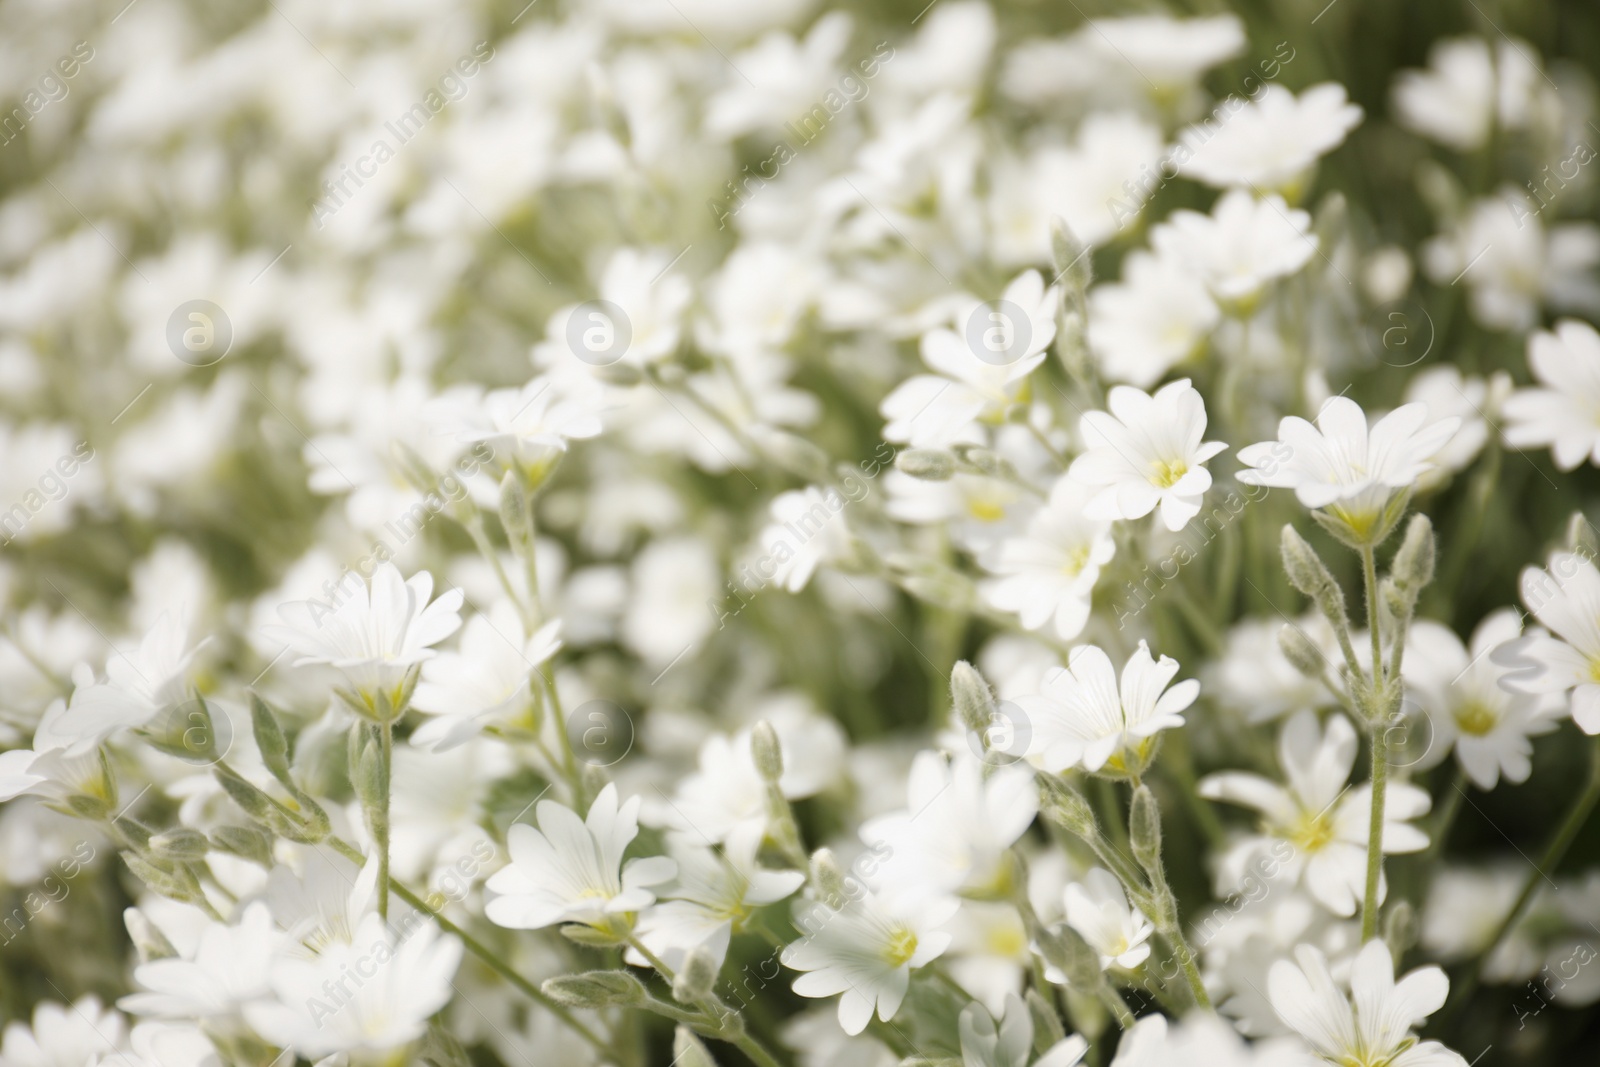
617 532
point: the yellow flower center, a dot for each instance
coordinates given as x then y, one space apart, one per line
1476 718
985 510
1311 832
1165 473
1076 560
900 947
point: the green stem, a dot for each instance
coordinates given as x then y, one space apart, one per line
1369 575
381 823
1380 781
1554 853
1380 755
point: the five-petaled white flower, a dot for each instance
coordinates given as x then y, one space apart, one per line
377 635
1241 246
1080 717
956 828
1467 709
487 682
1147 452
1273 142
713 895
1098 909
1371 1027
1566 598
1342 466
866 950
980 372
1563 414
1318 813
1048 573
571 869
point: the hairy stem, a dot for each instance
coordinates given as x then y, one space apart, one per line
1380 753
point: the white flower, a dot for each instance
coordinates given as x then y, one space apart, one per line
1080 718
1566 598
377 635
652 300
980 370
526 428
1049 572
1342 466
674 579
227 971
866 951
1459 690
1371 1027
1166 54
725 800
1085 185
1463 914
1241 246
136 690
1318 813
1156 317
956 828
487 682
571 869
1255 678
1475 401
983 1044
63 1035
788 77
1147 452
1467 90
1271 143
372 994
1501 249
713 895
808 529
1099 910
1562 414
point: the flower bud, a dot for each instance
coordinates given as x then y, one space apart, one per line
986 462
147 938
1581 536
689 1051
1047 1028
181 843
971 698
696 978
1144 828
795 454
828 877
514 514
1070 255
1412 568
929 464
1065 806
1311 577
1298 648
1400 928
767 752
247 842
595 989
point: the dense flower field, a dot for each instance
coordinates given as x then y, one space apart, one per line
745 532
